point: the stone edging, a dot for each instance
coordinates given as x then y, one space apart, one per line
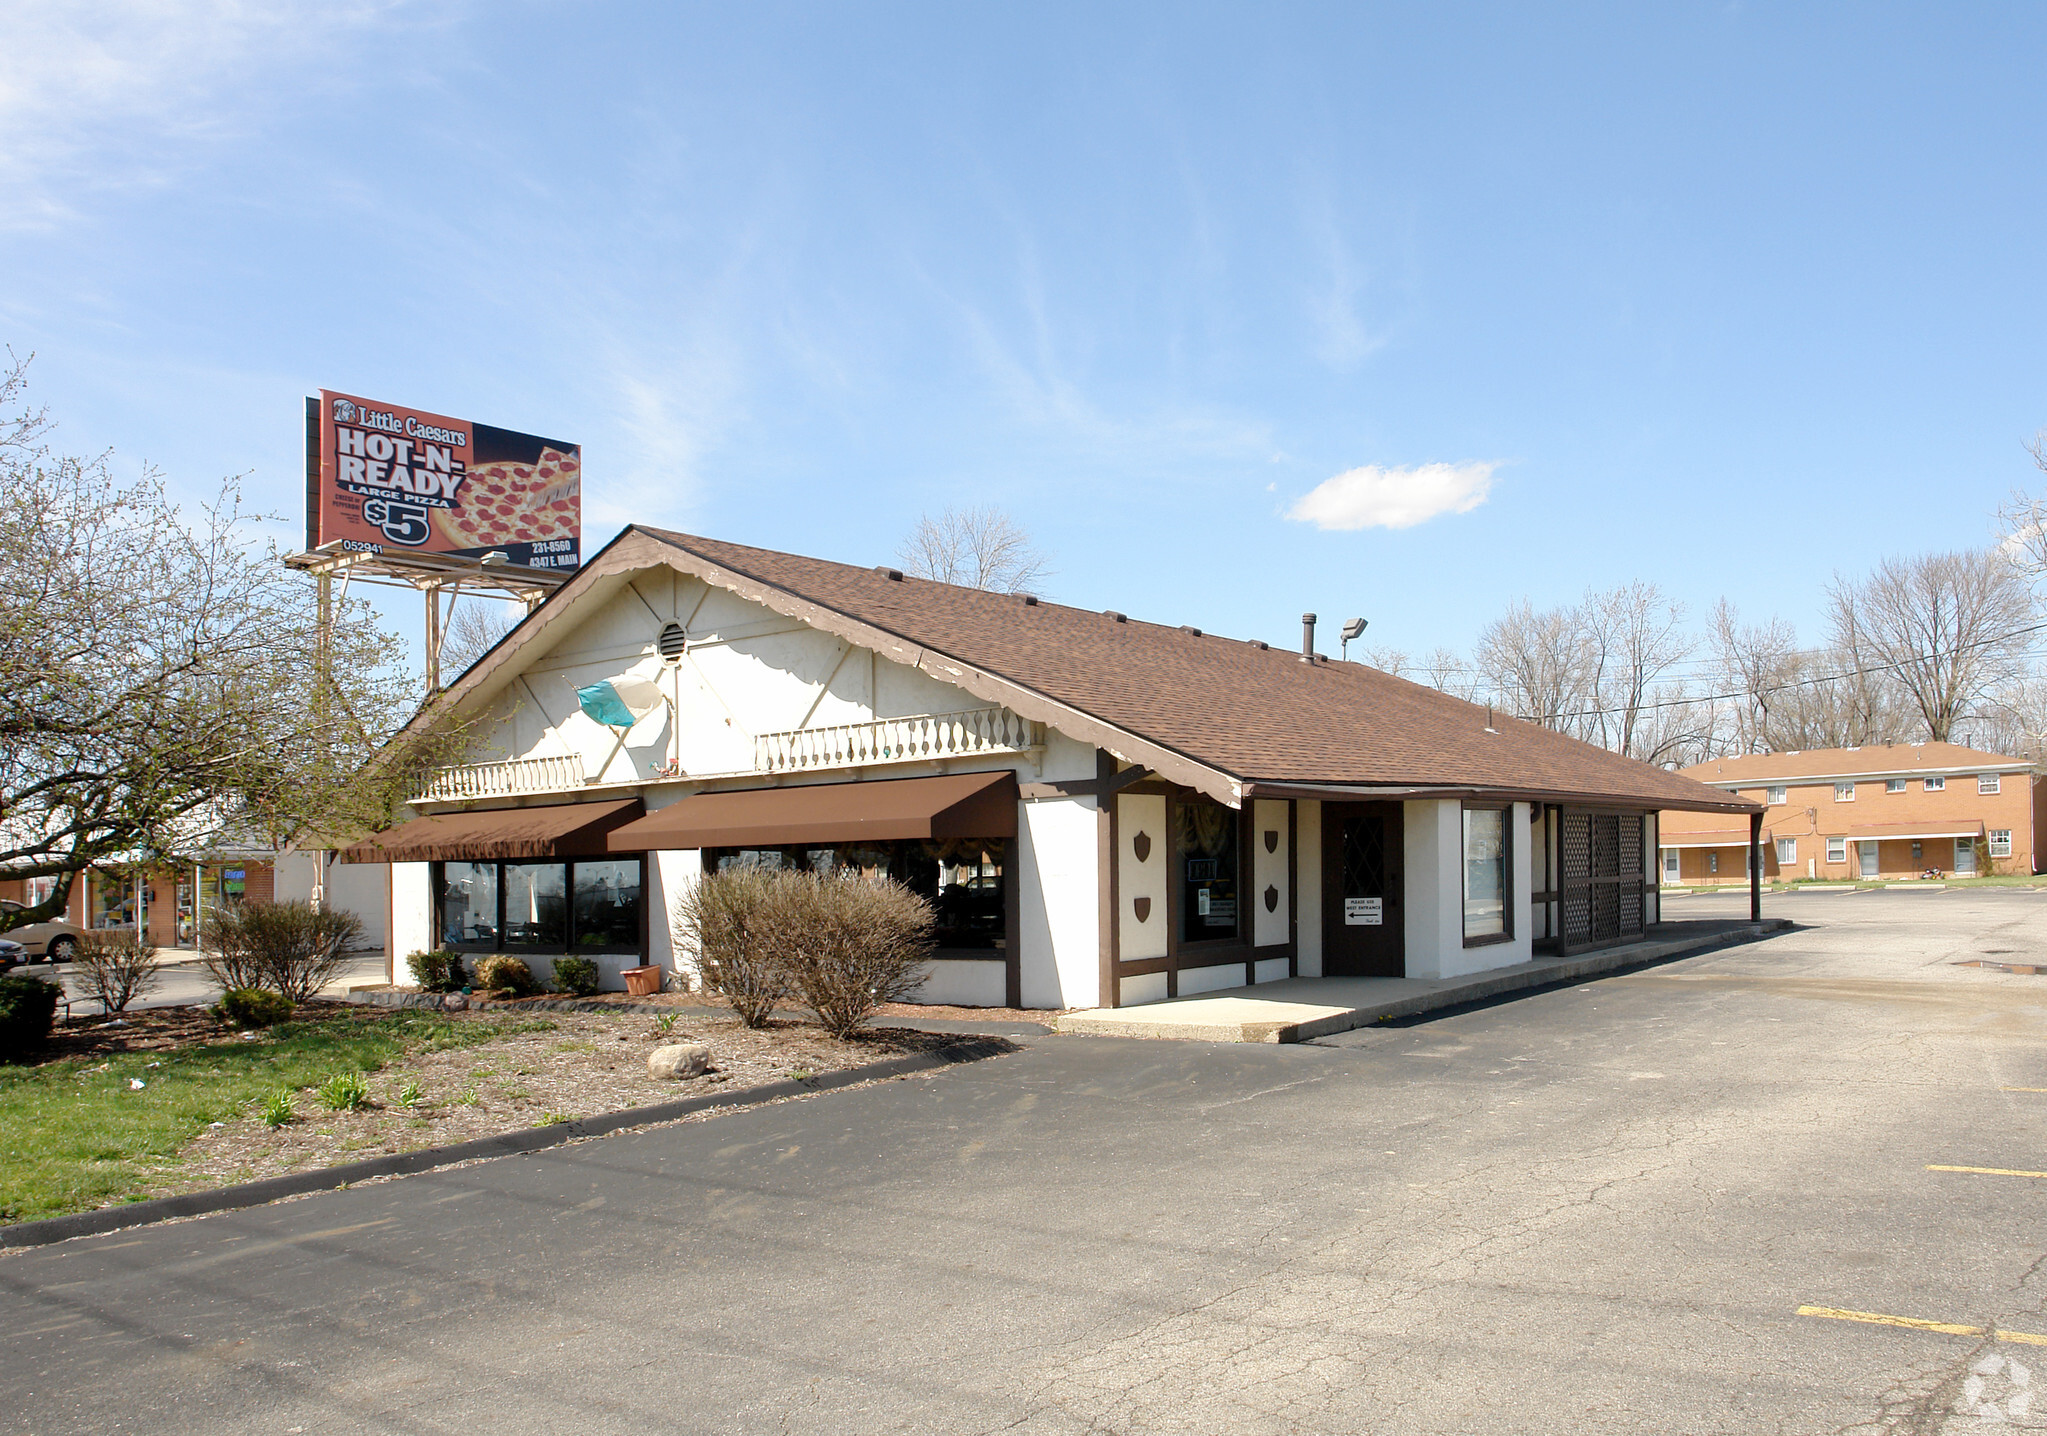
505 1144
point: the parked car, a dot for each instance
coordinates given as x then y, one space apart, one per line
12 955
52 941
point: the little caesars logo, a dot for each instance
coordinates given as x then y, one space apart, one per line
400 479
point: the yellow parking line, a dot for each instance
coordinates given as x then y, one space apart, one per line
2022 1089
1877 1318
1913 1323
1985 1171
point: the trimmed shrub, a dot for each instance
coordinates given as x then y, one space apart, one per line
289 947
844 945
854 943
439 971
502 973
116 968
576 974
28 1006
732 922
252 1007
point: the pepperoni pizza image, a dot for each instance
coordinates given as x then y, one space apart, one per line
508 501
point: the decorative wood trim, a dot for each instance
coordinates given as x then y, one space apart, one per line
1106 887
1085 787
1293 887
1247 887
1012 922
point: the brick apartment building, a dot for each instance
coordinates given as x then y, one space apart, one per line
1879 812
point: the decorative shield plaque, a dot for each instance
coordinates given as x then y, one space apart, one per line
1272 840
1272 899
1142 907
1141 845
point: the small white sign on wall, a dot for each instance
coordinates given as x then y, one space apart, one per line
1364 912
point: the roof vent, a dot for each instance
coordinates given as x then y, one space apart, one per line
1260 644
1119 617
673 641
893 575
1030 599
1190 629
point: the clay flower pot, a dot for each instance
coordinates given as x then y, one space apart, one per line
642 981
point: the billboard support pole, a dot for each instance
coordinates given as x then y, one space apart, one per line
316 896
433 638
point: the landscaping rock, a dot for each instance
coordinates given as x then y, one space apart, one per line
678 1060
454 1002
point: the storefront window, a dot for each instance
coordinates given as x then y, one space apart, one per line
113 900
525 907
537 906
1485 873
1205 842
469 906
607 906
964 879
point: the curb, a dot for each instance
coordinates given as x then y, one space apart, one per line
505 1144
1522 977
431 1002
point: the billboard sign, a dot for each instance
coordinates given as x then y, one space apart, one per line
384 478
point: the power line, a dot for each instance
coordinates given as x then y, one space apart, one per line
1804 682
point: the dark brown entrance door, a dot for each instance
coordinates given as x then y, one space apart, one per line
1363 927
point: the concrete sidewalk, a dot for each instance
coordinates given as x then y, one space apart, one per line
1300 1009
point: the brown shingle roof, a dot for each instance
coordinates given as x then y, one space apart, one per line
1256 714
1875 760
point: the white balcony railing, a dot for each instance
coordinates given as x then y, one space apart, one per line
896 740
507 779
800 750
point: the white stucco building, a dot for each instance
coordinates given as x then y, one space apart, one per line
1103 811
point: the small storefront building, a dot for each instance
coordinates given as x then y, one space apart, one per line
1101 811
168 899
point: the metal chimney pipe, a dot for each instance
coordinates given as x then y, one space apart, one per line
1307 637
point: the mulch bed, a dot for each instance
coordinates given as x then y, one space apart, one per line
582 1064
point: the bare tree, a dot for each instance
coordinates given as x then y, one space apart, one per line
1756 663
1633 637
1948 628
980 547
1389 660
1538 664
474 629
1446 671
2024 517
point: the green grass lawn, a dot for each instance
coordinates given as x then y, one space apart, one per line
75 1133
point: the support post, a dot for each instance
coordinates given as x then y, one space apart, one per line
1755 867
433 639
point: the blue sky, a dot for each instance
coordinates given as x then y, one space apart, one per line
1723 296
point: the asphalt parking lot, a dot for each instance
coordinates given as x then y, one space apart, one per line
1792 1186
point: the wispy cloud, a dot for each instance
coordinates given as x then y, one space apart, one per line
101 93
1372 496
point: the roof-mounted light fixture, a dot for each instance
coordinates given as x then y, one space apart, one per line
1354 628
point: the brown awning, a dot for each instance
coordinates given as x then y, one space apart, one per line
559 830
1888 832
958 805
1706 838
